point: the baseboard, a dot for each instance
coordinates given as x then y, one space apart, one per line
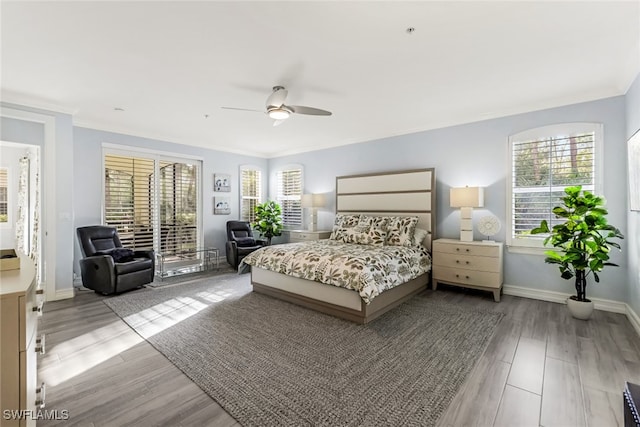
634 319
560 297
63 294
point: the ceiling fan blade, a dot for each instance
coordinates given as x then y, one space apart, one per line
242 109
276 99
278 122
299 109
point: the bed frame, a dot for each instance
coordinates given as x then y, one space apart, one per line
400 193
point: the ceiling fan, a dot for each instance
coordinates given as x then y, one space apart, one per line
277 110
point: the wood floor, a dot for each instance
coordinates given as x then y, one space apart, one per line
542 368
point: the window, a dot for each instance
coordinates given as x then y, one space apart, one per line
543 162
4 196
153 200
289 195
250 192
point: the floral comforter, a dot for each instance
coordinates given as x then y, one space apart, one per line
367 269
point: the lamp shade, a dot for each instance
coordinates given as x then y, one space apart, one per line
312 200
467 197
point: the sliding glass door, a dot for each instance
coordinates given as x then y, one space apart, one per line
154 202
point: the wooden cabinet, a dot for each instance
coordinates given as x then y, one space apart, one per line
305 235
19 311
475 265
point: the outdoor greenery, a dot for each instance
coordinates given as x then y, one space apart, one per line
582 240
268 220
541 170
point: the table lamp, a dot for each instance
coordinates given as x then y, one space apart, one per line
466 198
312 202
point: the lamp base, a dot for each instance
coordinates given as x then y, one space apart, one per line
466 236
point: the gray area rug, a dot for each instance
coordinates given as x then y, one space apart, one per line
268 362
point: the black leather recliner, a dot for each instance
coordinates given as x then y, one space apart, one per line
107 267
240 242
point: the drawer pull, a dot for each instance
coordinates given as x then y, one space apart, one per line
40 345
467 262
38 308
467 249
458 249
39 291
457 261
457 275
40 399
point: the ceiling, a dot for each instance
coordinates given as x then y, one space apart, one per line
170 66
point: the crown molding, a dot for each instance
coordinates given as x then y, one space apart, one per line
11 97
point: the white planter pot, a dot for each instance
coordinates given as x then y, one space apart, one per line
580 309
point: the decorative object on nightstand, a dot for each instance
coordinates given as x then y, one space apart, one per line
305 236
313 202
489 225
476 265
466 198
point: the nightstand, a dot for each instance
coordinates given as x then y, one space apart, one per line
306 235
476 265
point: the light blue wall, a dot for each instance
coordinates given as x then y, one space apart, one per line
476 154
87 186
633 220
21 131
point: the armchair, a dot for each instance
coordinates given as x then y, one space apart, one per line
240 242
103 267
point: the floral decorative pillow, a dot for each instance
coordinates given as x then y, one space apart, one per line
359 235
347 220
401 230
343 221
377 222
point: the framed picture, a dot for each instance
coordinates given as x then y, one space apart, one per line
634 171
221 206
222 182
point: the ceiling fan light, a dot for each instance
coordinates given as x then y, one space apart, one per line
278 114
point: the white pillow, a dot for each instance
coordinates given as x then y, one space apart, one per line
419 235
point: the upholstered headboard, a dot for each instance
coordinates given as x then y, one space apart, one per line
398 193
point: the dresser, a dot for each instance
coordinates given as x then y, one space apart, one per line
476 265
19 312
305 235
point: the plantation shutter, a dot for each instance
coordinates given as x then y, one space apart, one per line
251 188
178 197
541 169
129 199
4 201
141 205
289 194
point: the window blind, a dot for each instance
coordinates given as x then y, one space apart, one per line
541 169
250 191
289 194
178 202
129 199
4 200
141 205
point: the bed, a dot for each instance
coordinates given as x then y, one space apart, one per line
367 206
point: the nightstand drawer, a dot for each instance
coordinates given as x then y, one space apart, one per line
457 275
461 248
467 262
305 236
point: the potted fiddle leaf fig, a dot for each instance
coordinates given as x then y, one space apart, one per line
583 242
268 220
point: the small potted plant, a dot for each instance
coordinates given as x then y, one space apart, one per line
268 220
582 243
